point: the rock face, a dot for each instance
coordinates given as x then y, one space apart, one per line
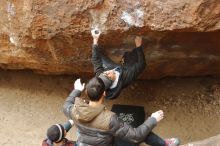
53 37
212 141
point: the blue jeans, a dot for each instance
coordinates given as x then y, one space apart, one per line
151 139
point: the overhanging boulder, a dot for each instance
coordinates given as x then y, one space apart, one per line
53 37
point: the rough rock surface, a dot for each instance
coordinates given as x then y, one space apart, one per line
212 141
181 36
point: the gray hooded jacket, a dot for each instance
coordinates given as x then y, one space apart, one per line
97 126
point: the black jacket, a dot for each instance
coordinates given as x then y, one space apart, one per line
134 64
97 126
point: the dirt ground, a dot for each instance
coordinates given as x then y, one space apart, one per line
30 103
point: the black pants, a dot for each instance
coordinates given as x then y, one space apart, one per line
128 59
108 64
152 140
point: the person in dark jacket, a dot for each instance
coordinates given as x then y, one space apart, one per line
56 135
117 76
98 126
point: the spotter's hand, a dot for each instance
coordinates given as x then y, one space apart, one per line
158 115
78 85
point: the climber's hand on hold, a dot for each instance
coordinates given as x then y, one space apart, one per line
138 41
95 34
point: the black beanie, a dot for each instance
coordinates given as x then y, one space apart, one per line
55 133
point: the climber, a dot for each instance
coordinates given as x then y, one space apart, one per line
56 135
117 76
97 126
